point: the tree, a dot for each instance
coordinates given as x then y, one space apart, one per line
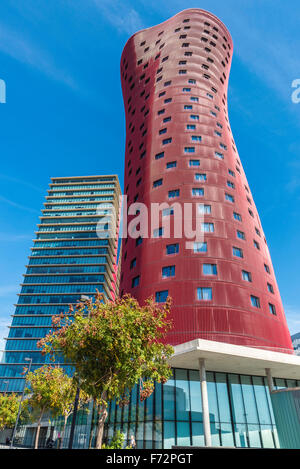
113 346
9 406
48 386
66 397
117 441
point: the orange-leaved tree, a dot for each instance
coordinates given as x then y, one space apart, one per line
113 346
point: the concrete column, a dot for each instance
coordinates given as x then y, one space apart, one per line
270 380
205 407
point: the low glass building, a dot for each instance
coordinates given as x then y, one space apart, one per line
240 411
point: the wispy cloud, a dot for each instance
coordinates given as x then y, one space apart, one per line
13 237
6 290
21 181
4 323
292 314
16 205
270 53
20 48
121 15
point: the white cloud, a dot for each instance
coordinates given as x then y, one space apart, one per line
21 181
292 314
6 290
121 15
4 323
14 236
22 49
20 206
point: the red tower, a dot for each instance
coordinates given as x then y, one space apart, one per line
180 148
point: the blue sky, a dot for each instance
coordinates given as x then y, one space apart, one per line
64 114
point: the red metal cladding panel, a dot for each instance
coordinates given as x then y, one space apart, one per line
174 81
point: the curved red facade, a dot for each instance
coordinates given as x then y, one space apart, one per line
174 81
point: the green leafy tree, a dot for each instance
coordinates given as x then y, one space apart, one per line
50 390
66 398
117 441
9 406
113 346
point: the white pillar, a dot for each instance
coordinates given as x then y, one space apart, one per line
205 407
270 380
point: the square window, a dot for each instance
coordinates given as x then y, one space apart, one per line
229 197
204 209
209 269
197 192
161 296
200 177
189 149
204 293
272 309
158 156
168 271
237 216
256 244
167 140
240 234
158 232
255 301
157 183
246 276
194 163
138 241
207 228
270 288
196 138
171 164
200 247
174 193
135 281
167 212
237 252
172 248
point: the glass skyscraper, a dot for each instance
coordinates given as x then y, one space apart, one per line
71 257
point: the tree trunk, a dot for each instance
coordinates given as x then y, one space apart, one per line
36 442
102 417
92 425
63 432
